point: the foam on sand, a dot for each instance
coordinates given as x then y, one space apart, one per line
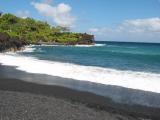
128 79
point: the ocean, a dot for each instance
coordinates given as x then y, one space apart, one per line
128 65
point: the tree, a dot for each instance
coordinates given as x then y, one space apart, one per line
63 29
9 18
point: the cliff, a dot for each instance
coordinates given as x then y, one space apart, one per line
86 39
8 43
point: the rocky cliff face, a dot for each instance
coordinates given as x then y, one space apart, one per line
8 43
84 39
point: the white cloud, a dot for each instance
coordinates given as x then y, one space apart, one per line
141 30
23 14
151 25
60 14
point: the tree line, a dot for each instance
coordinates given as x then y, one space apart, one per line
34 31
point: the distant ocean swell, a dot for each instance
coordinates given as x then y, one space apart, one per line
146 81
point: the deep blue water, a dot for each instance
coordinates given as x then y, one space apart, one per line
143 57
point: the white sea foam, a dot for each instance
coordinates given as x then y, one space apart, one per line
29 49
95 45
128 79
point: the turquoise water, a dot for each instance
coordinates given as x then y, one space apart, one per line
125 72
144 57
129 65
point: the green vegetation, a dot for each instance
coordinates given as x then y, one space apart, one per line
33 31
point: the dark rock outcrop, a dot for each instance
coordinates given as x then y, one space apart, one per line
8 43
86 39
83 39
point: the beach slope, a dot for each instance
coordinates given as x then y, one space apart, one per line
23 100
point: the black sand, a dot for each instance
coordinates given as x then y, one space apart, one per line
25 106
21 100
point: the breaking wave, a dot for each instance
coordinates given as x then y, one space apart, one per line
129 79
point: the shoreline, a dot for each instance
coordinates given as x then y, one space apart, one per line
80 98
118 94
95 74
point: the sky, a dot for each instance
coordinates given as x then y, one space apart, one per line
108 20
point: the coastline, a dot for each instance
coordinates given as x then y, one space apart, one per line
88 73
80 78
80 98
105 107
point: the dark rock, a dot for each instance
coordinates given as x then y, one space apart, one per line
86 39
8 43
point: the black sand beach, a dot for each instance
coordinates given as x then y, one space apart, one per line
25 106
25 100
20 100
